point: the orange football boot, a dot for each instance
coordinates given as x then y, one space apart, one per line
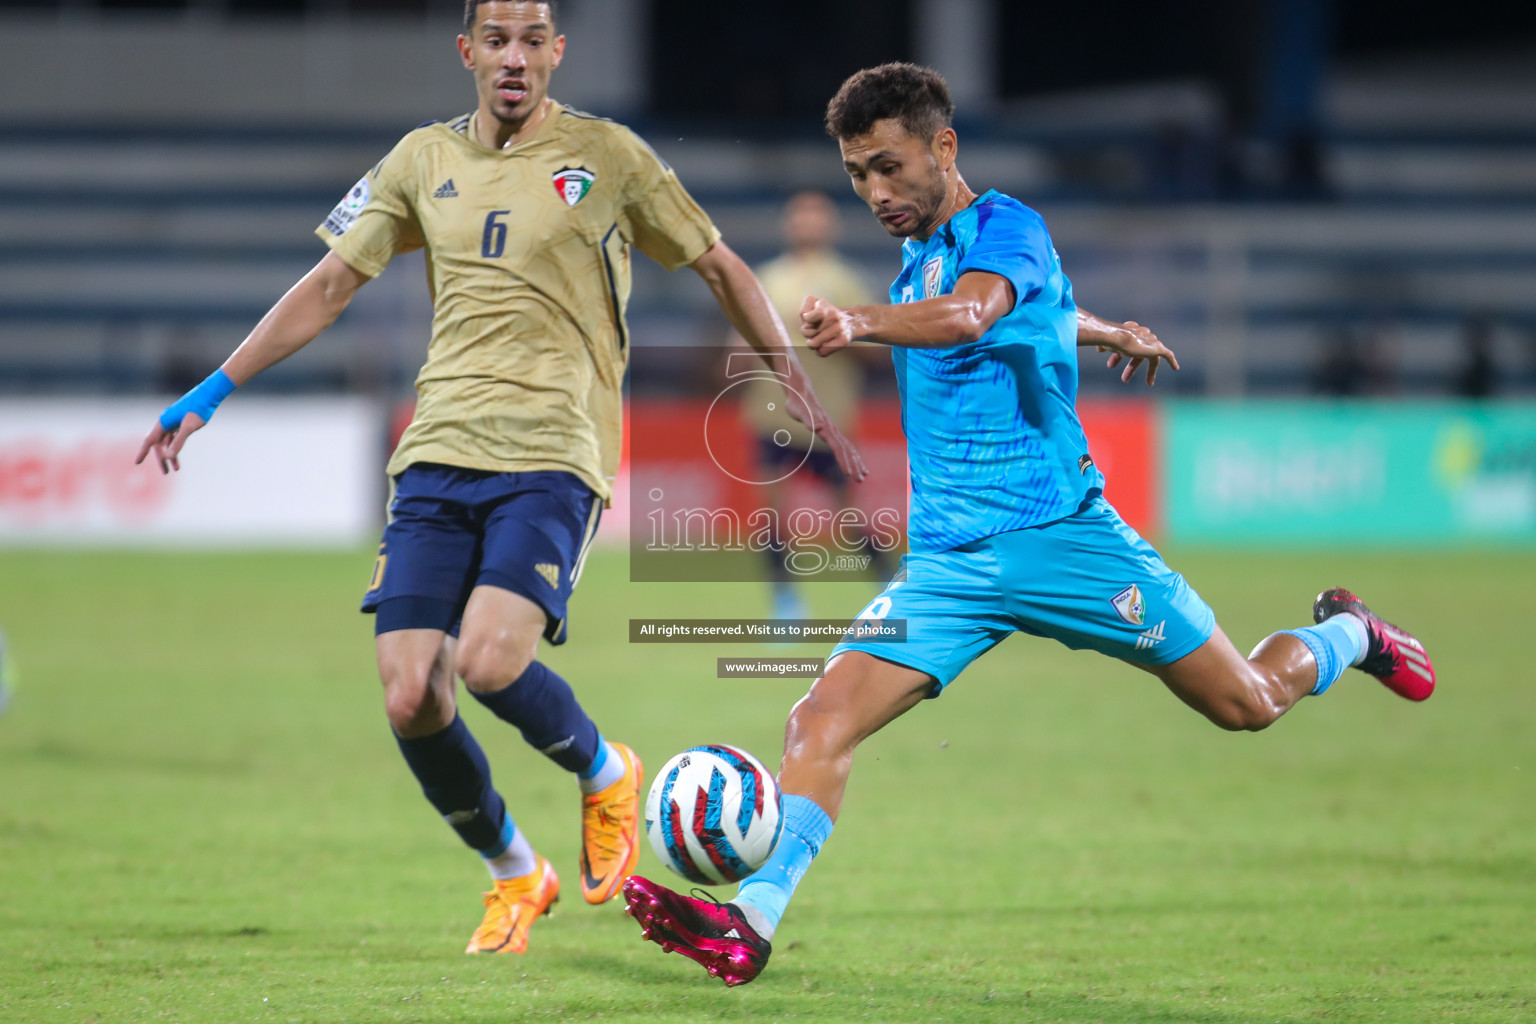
610 831
512 907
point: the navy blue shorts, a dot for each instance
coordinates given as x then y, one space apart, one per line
786 459
451 530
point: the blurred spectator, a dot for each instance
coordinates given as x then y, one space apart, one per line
183 363
1343 369
811 265
1358 362
1477 376
1181 165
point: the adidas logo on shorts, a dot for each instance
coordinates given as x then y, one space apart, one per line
551 573
1152 637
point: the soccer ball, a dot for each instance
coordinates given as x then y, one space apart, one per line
714 814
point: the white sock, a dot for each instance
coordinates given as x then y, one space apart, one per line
1360 631
515 861
610 769
757 919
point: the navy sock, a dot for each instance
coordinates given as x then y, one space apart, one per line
545 711
456 779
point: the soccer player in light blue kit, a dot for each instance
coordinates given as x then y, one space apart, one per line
1009 529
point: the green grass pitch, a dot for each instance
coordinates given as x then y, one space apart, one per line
203 819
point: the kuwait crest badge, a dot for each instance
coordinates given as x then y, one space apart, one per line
572 183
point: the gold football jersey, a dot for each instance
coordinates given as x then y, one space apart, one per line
837 378
528 264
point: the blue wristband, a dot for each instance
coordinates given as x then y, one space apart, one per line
203 400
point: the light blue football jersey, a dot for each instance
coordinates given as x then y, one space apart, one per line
993 437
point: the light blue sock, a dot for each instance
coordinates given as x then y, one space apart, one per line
511 857
607 767
765 894
1336 643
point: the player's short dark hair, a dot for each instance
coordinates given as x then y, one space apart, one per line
471 6
916 96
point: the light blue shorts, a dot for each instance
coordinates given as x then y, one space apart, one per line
1089 581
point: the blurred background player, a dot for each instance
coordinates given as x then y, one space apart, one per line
811 265
527 209
1009 530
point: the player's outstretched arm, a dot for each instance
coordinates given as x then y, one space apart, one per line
310 307
1129 342
979 300
746 306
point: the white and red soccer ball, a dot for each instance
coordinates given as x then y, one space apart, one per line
714 814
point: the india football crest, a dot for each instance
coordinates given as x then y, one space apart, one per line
573 183
933 277
1130 605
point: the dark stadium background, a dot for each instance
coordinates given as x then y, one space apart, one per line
1190 127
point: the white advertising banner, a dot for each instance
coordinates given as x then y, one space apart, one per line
266 472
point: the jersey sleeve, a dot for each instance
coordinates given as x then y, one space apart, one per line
1012 243
376 221
657 215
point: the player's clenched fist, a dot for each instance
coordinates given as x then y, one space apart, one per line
826 327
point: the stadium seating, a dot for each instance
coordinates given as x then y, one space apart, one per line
135 258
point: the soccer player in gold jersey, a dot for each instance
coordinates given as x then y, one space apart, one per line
527 211
810 265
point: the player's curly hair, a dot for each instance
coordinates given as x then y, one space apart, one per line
916 96
471 6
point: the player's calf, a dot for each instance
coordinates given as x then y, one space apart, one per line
496 661
1242 694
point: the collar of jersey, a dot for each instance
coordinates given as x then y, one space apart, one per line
914 247
556 111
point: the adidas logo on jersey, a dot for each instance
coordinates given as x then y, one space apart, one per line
1151 638
446 191
551 573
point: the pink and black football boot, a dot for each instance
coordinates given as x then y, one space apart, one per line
1392 655
713 933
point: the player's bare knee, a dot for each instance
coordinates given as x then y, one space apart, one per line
1240 697
417 710
810 722
418 686
487 668
1243 713
825 720
1230 717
